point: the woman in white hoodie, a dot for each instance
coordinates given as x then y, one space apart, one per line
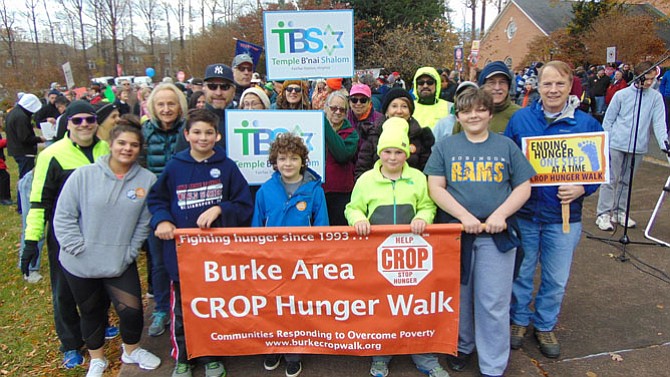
101 221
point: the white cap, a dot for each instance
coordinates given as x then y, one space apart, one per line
30 102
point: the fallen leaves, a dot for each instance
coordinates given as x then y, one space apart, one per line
616 357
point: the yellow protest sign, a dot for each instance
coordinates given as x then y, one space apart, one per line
568 159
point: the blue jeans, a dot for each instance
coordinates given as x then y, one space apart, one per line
553 249
25 186
160 279
26 164
423 361
600 104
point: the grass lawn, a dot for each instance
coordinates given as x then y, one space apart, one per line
28 341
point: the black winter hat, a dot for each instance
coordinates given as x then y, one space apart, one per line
104 111
79 107
397 93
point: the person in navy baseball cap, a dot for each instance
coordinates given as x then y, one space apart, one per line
219 85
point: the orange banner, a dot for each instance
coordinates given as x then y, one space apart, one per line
319 290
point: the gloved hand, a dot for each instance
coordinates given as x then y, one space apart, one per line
29 256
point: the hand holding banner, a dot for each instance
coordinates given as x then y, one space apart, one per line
320 290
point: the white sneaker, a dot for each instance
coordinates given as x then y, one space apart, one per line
33 278
97 367
143 358
621 219
604 222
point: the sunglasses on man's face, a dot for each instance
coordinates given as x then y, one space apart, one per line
245 68
425 82
356 100
78 121
223 86
296 89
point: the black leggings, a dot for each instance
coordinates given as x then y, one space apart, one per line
92 295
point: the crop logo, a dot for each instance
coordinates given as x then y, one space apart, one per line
404 259
294 40
256 139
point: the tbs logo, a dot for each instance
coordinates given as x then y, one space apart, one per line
256 140
294 40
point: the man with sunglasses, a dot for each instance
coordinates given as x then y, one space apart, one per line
219 93
54 165
243 69
428 106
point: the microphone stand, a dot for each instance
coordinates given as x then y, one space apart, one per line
639 82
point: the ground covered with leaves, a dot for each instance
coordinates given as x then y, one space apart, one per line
28 341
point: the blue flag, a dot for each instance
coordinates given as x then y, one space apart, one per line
242 47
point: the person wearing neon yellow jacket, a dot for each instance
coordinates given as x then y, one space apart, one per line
428 106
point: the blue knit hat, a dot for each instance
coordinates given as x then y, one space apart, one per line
492 69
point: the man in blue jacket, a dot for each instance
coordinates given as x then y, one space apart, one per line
540 220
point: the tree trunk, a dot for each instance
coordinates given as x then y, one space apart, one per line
483 21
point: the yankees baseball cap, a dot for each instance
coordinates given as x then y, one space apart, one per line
219 71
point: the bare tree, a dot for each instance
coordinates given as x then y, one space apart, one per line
483 20
179 12
75 11
472 5
49 23
213 8
111 14
31 14
168 8
8 17
151 14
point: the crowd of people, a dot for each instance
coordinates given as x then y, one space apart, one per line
432 150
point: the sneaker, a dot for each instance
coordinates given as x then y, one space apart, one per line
158 324
111 332
379 369
182 370
143 358
33 278
604 222
293 368
215 369
621 219
271 362
548 344
458 363
97 367
72 358
517 333
436 372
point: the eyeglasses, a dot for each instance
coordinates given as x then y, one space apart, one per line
296 89
215 86
337 109
245 68
355 100
92 119
425 82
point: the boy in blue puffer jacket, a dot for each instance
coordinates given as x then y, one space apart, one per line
291 197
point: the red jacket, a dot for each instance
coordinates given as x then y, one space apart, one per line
613 88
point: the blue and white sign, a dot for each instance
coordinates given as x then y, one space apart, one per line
309 44
250 133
